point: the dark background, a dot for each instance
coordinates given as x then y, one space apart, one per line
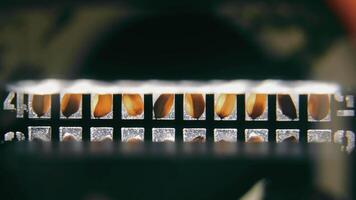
114 40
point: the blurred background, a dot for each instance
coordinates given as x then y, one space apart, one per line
175 40
214 39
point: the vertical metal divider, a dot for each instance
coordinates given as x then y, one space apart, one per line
351 121
209 117
241 122
179 121
272 118
2 135
333 117
116 121
86 118
55 117
148 118
299 123
2 130
303 118
25 120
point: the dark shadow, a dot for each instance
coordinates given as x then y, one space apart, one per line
178 46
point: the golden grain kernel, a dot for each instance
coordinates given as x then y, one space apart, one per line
318 106
256 105
70 104
102 105
290 139
194 105
198 139
134 140
68 138
287 105
133 104
107 138
255 139
163 105
225 105
41 104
